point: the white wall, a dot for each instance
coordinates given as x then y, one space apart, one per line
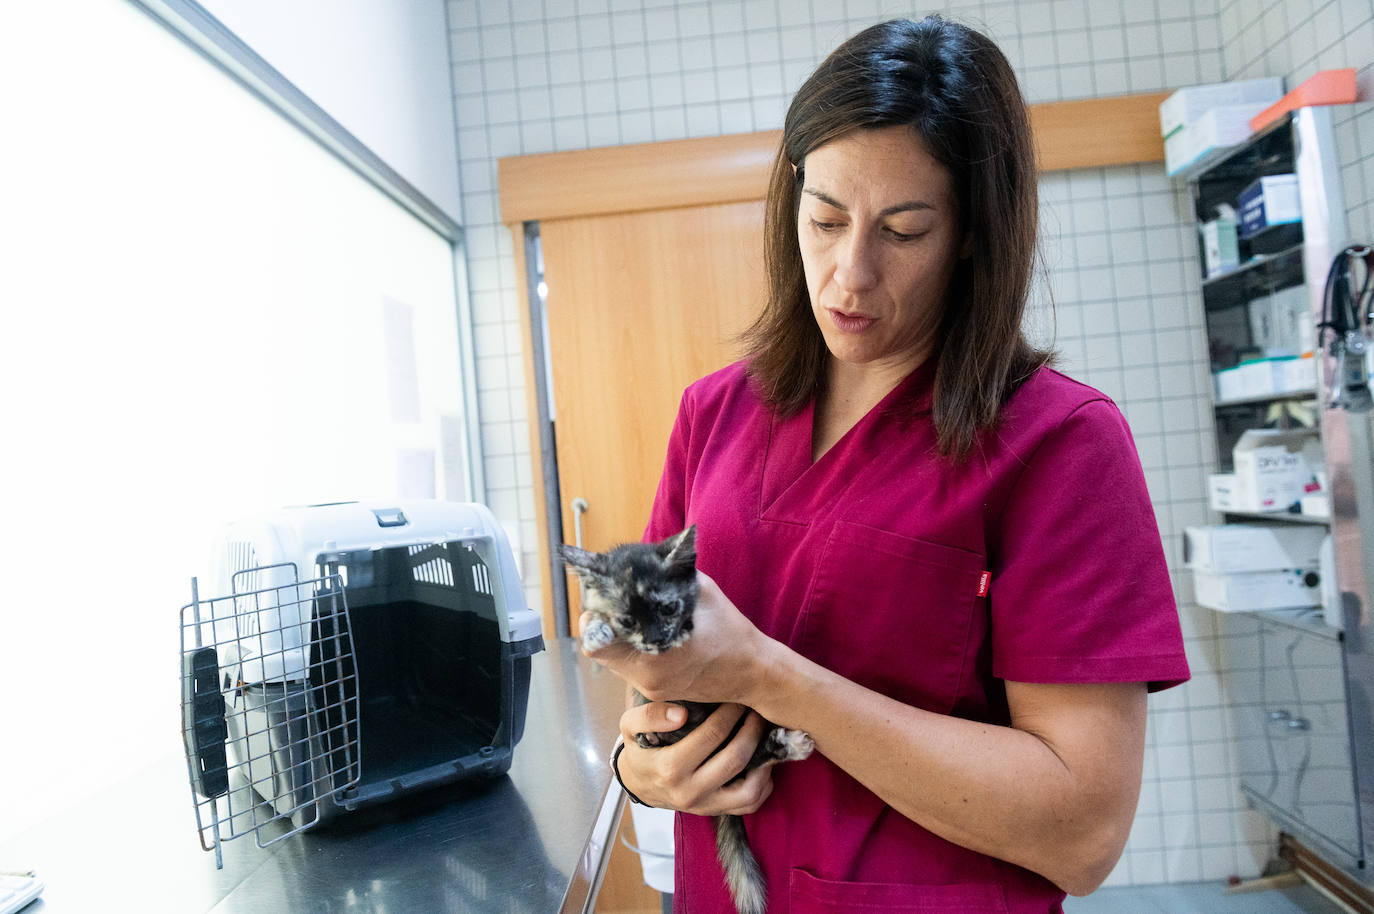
533 77
207 315
378 67
1296 38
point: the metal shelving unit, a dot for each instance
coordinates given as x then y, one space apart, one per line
1297 743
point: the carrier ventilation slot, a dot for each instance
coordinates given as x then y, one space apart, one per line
432 565
435 570
481 580
242 557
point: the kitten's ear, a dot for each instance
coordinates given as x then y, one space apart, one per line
680 552
582 561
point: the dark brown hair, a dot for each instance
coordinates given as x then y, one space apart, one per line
957 91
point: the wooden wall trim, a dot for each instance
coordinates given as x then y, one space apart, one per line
1119 130
643 176
1093 132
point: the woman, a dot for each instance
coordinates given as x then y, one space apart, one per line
917 542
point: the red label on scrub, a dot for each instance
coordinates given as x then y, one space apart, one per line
983 581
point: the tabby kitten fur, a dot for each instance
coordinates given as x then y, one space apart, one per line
644 594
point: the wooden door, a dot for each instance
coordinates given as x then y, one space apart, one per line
639 306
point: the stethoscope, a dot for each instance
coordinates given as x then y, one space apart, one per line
1348 315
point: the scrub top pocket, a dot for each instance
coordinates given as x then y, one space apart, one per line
812 895
895 614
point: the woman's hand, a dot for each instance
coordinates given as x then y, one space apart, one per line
717 663
690 775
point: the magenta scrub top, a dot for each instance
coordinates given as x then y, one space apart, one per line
1037 560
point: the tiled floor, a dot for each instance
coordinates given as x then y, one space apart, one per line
1201 898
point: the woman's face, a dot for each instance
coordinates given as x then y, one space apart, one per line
879 236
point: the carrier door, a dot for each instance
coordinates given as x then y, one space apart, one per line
269 705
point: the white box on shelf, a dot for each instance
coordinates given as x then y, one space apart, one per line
1292 313
1230 384
1197 145
1277 322
1221 492
1261 378
1275 469
1232 548
1188 104
1255 590
1267 202
1220 245
1316 505
1298 375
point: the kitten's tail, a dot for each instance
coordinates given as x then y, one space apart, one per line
742 873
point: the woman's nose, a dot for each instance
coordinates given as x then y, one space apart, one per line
856 268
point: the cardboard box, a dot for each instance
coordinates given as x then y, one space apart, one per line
1189 103
1220 246
1275 469
1221 492
1230 384
1317 504
1268 202
1232 548
1256 590
1264 378
1298 374
1198 145
1279 322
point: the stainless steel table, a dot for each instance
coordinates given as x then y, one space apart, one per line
514 844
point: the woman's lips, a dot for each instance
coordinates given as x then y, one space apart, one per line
850 323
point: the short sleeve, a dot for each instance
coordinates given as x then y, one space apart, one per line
669 513
1080 589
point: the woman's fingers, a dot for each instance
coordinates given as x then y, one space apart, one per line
720 766
701 772
653 717
746 795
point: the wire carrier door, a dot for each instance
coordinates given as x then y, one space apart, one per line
269 704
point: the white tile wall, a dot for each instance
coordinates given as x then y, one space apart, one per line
1295 39
1118 251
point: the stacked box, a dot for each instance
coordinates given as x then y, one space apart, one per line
1246 567
1189 103
1274 470
1200 124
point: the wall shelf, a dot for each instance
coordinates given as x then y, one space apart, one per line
1267 398
1284 517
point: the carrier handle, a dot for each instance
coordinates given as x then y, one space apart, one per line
203 722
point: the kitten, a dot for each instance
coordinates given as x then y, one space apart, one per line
644 594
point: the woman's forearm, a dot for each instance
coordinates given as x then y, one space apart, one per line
1056 793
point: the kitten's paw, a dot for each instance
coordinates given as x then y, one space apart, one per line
597 635
790 745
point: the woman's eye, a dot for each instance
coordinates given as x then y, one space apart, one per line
903 236
824 226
